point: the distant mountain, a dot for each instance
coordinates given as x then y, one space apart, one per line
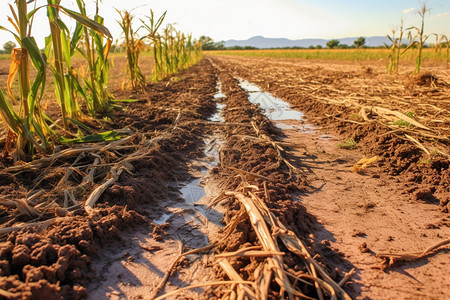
262 42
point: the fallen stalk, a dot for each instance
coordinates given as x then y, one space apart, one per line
410 256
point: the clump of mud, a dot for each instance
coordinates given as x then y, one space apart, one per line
367 70
424 79
56 262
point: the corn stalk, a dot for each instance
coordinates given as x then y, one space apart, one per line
59 39
444 42
392 57
395 50
173 51
152 28
28 123
133 48
421 37
95 50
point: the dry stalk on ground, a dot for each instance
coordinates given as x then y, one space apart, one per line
270 232
391 258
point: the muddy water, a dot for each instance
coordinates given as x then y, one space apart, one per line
132 268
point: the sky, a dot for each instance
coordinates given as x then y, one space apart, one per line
242 19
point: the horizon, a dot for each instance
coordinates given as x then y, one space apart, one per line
290 19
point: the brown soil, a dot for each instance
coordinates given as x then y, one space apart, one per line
397 204
308 88
390 207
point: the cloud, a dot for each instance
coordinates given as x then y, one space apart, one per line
408 10
443 15
440 16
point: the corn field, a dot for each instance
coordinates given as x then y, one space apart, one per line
81 93
173 50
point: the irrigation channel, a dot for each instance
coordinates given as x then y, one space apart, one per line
357 215
143 263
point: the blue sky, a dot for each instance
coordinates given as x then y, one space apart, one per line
242 19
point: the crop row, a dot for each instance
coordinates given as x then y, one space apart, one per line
79 96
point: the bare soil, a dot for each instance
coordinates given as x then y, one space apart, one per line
125 248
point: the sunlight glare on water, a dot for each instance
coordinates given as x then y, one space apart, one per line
274 108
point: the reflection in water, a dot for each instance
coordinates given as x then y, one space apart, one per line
274 108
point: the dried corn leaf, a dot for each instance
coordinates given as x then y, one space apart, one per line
17 55
363 164
384 111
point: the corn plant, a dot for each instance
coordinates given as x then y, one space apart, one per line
395 50
152 28
95 50
172 51
444 42
421 37
439 42
399 47
28 123
64 78
133 48
392 67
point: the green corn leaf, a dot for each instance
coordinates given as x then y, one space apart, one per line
86 22
38 58
15 35
80 124
10 117
76 37
66 51
40 62
107 136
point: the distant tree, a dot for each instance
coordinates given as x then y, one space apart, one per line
209 44
220 45
241 48
319 47
332 44
311 47
359 42
8 46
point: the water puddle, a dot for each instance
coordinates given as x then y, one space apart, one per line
274 108
219 94
295 125
217 116
163 219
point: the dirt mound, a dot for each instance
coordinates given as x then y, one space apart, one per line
46 265
424 79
